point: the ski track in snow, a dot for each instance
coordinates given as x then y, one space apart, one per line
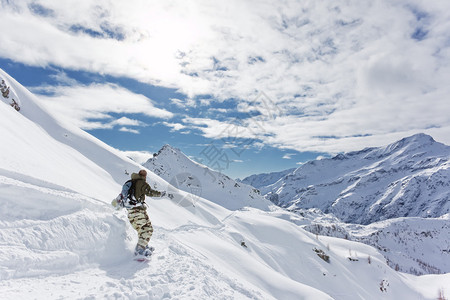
41 249
172 272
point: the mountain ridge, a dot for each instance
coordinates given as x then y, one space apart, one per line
372 184
175 167
377 187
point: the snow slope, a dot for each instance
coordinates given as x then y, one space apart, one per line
60 238
36 144
175 167
72 246
414 245
266 179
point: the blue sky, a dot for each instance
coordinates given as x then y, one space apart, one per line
248 157
294 79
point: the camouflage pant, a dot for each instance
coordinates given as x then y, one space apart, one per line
140 221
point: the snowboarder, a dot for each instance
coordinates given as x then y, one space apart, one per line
133 199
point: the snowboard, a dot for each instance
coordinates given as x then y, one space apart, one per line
143 258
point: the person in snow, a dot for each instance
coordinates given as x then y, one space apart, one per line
133 199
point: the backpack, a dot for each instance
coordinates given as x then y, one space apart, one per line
132 188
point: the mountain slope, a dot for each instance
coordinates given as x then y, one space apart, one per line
60 238
176 168
408 178
266 179
38 145
413 245
71 246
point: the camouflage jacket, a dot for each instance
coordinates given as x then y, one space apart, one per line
141 189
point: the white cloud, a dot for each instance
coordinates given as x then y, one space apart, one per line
216 129
345 74
88 107
183 103
125 129
63 78
288 155
219 110
177 102
124 121
229 146
174 126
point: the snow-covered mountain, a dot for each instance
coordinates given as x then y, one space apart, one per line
60 237
183 173
266 179
409 178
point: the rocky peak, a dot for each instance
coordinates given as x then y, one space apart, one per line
167 150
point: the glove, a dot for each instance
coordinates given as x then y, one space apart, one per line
118 202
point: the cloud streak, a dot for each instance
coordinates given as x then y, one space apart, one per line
90 107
